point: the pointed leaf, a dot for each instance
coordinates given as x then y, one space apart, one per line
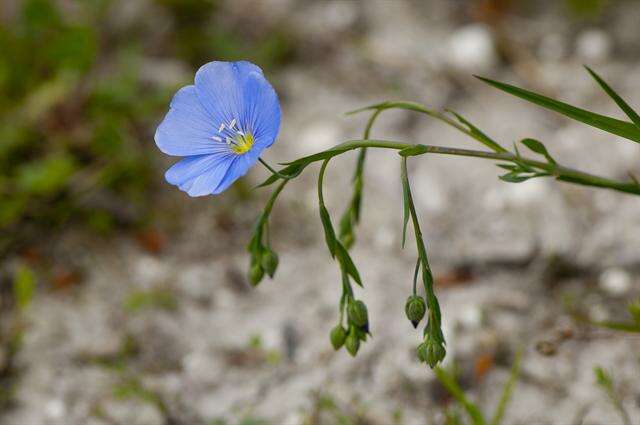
329 233
539 148
633 115
347 262
406 198
611 125
479 135
290 171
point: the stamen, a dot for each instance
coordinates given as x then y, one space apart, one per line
232 123
229 141
221 128
216 138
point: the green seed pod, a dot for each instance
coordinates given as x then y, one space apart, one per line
415 309
269 261
352 343
357 312
256 273
338 336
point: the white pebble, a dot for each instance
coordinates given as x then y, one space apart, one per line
593 46
615 281
471 48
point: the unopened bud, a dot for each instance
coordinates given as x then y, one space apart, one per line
338 336
431 352
352 343
269 261
357 312
415 309
256 273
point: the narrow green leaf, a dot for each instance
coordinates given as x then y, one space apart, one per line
633 115
479 134
457 393
611 125
539 148
329 233
507 390
337 150
347 262
514 177
509 167
406 198
291 171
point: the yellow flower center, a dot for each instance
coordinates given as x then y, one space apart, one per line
242 143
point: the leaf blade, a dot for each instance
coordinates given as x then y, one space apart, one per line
622 104
615 126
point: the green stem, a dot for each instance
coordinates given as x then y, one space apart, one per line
323 167
272 199
422 251
560 172
415 277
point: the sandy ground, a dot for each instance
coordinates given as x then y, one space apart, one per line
179 337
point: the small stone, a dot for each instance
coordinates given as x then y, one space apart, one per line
594 45
472 48
615 281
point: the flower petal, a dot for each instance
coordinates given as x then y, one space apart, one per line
201 174
238 168
238 90
187 129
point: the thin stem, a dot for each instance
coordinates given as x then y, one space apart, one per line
323 167
415 277
560 172
272 199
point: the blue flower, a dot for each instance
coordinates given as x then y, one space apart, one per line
220 125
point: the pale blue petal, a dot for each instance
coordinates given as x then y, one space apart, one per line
187 129
238 90
201 174
237 169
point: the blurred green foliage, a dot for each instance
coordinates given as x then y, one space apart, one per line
80 98
586 8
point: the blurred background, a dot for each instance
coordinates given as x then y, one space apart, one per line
123 301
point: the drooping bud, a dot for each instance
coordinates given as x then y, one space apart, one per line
415 309
256 273
269 261
352 342
357 313
338 336
431 352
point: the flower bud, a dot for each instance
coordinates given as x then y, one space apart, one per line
357 312
415 309
338 336
431 352
352 343
269 261
256 273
